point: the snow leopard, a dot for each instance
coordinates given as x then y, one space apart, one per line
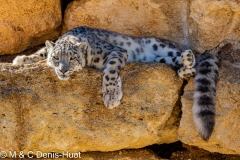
110 51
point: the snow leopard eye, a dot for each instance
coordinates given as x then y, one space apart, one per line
72 58
56 57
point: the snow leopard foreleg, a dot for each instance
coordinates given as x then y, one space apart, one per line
112 85
33 58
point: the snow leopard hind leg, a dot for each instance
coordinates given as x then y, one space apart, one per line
207 68
170 53
188 61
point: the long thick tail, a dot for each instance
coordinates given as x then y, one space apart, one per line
205 94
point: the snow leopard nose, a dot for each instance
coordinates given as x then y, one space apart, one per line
63 67
63 70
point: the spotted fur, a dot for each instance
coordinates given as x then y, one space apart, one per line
108 51
39 55
205 94
205 81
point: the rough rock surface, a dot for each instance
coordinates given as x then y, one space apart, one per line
28 23
225 138
158 18
40 112
198 24
212 21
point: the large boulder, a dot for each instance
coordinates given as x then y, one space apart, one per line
161 18
28 23
197 24
225 137
40 112
212 21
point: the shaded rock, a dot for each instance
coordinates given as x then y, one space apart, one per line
210 22
194 153
40 112
225 137
28 23
158 18
139 154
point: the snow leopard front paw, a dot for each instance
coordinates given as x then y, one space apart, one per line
19 60
112 93
186 73
188 59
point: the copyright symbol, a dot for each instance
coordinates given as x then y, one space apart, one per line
3 154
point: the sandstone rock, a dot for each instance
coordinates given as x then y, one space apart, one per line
225 138
158 18
40 112
212 21
28 23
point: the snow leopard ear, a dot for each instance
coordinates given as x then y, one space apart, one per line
82 46
49 45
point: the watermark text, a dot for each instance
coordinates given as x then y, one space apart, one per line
39 154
